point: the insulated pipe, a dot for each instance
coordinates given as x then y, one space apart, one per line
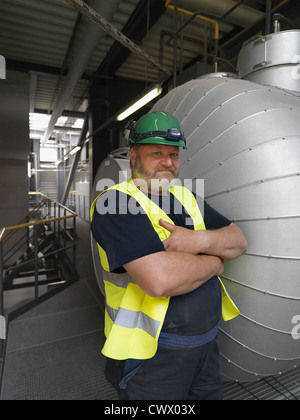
89 43
243 140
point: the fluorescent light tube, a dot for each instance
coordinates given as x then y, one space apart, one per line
140 103
75 150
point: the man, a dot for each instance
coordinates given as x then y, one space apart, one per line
161 264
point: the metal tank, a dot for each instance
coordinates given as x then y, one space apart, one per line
273 60
244 141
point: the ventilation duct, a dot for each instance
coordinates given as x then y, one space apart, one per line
89 43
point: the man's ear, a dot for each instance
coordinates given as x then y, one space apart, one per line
133 156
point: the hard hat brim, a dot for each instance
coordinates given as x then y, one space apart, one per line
157 140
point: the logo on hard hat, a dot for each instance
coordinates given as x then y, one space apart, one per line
2 67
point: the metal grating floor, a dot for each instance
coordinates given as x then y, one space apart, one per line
53 352
280 387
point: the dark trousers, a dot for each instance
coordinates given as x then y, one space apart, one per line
173 374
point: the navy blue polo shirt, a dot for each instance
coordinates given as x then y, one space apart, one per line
127 234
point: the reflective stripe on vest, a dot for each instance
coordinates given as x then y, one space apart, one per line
133 319
129 319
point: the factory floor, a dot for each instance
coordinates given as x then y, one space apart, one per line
53 352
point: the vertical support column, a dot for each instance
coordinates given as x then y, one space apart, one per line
175 43
36 263
268 17
76 159
74 245
65 229
1 299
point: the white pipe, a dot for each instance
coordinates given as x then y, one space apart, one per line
89 43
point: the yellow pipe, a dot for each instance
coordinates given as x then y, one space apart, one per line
187 12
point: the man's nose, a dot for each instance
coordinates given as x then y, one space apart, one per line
166 161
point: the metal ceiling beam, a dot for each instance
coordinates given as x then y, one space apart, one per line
114 32
144 17
32 91
90 41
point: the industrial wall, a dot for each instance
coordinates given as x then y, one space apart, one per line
14 147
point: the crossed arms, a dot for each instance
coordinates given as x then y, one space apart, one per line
181 270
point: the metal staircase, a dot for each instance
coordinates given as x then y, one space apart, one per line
39 251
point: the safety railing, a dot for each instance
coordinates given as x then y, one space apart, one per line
208 35
81 204
42 246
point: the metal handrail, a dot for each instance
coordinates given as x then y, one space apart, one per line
39 222
170 6
198 15
35 257
78 198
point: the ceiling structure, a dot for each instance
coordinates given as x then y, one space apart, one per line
45 39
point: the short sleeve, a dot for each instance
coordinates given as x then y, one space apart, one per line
124 235
213 219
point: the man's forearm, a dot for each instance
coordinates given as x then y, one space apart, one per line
188 272
227 243
173 273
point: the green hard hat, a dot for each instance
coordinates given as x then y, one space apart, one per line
157 127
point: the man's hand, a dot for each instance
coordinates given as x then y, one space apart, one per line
182 239
227 243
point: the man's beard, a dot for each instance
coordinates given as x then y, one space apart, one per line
148 180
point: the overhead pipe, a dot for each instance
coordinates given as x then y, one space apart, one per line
175 9
268 29
89 43
241 15
75 160
198 16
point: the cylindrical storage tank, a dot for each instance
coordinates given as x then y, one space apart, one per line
272 60
244 141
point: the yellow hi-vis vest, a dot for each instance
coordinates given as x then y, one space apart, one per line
133 319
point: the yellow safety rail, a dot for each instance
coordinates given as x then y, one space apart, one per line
39 222
170 6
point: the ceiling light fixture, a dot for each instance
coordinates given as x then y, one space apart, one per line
75 150
152 94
